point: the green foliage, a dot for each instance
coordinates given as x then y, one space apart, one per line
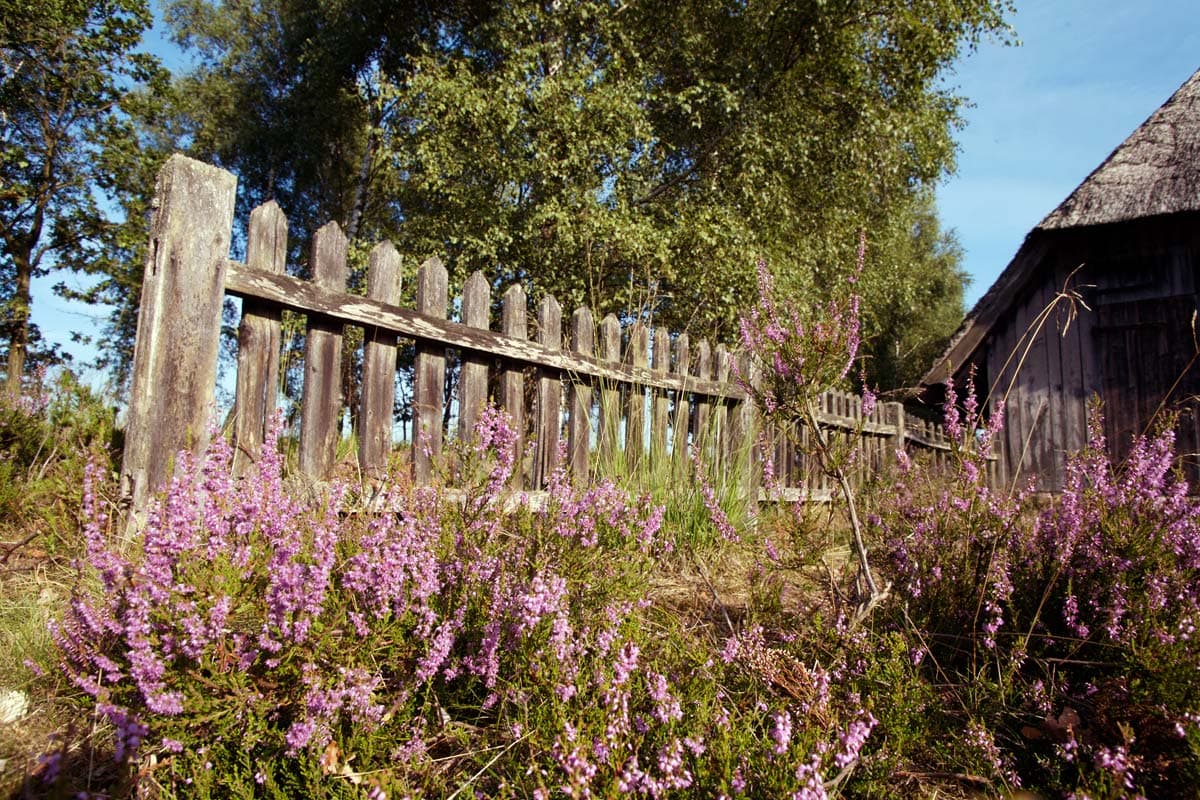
65 66
1061 635
46 440
256 645
637 158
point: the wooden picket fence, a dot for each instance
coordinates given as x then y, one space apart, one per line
634 394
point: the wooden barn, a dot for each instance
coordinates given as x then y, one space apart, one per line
1100 300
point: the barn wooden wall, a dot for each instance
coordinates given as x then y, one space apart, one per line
1131 345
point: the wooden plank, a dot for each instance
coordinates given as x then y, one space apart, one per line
583 342
638 356
610 392
681 421
661 410
300 295
473 377
720 412
515 325
258 340
174 370
743 429
549 396
1054 469
702 433
1075 387
321 403
429 373
379 367
1036 381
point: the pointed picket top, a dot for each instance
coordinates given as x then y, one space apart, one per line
266 245
329 250
384 273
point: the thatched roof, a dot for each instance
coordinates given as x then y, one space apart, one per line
1154 171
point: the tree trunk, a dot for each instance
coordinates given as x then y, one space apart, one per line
19 340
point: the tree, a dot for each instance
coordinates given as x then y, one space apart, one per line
637 157
64 67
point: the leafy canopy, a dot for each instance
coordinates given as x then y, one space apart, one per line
65 66
636 157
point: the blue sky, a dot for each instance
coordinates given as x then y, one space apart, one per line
1044 114
1049 111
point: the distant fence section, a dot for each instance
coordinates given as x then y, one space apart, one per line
579 389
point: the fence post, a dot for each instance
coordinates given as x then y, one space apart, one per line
637 356
549 395
702 434
179 323
898 422
321 403
660 414
514 322
258 340
743 430
720 413
682 419
379 366
583 342
429 373
473 378
610 393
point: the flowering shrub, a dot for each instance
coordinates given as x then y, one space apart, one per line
802 352
1067 630
255 644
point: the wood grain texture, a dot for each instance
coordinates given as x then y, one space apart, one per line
473 377
638 356
300 295
379 366
321 402
549 395
660 412
515 326
258 340
429 372
174 370
610 392
579 431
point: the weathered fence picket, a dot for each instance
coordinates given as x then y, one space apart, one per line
183 289
653 400
259 338
379 366
321 401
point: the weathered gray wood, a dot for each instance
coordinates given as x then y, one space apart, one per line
549 396
473 377
898 440
321 402
258 340
660 413
429 373
637 356
610 393
720 411
379 366
743 429
299 295
682 420
515 325
583 342
702 433
175 356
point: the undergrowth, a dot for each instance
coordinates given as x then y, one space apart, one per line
651 635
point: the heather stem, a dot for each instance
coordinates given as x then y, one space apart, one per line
835 470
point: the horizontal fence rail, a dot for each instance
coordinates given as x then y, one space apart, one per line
580 389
